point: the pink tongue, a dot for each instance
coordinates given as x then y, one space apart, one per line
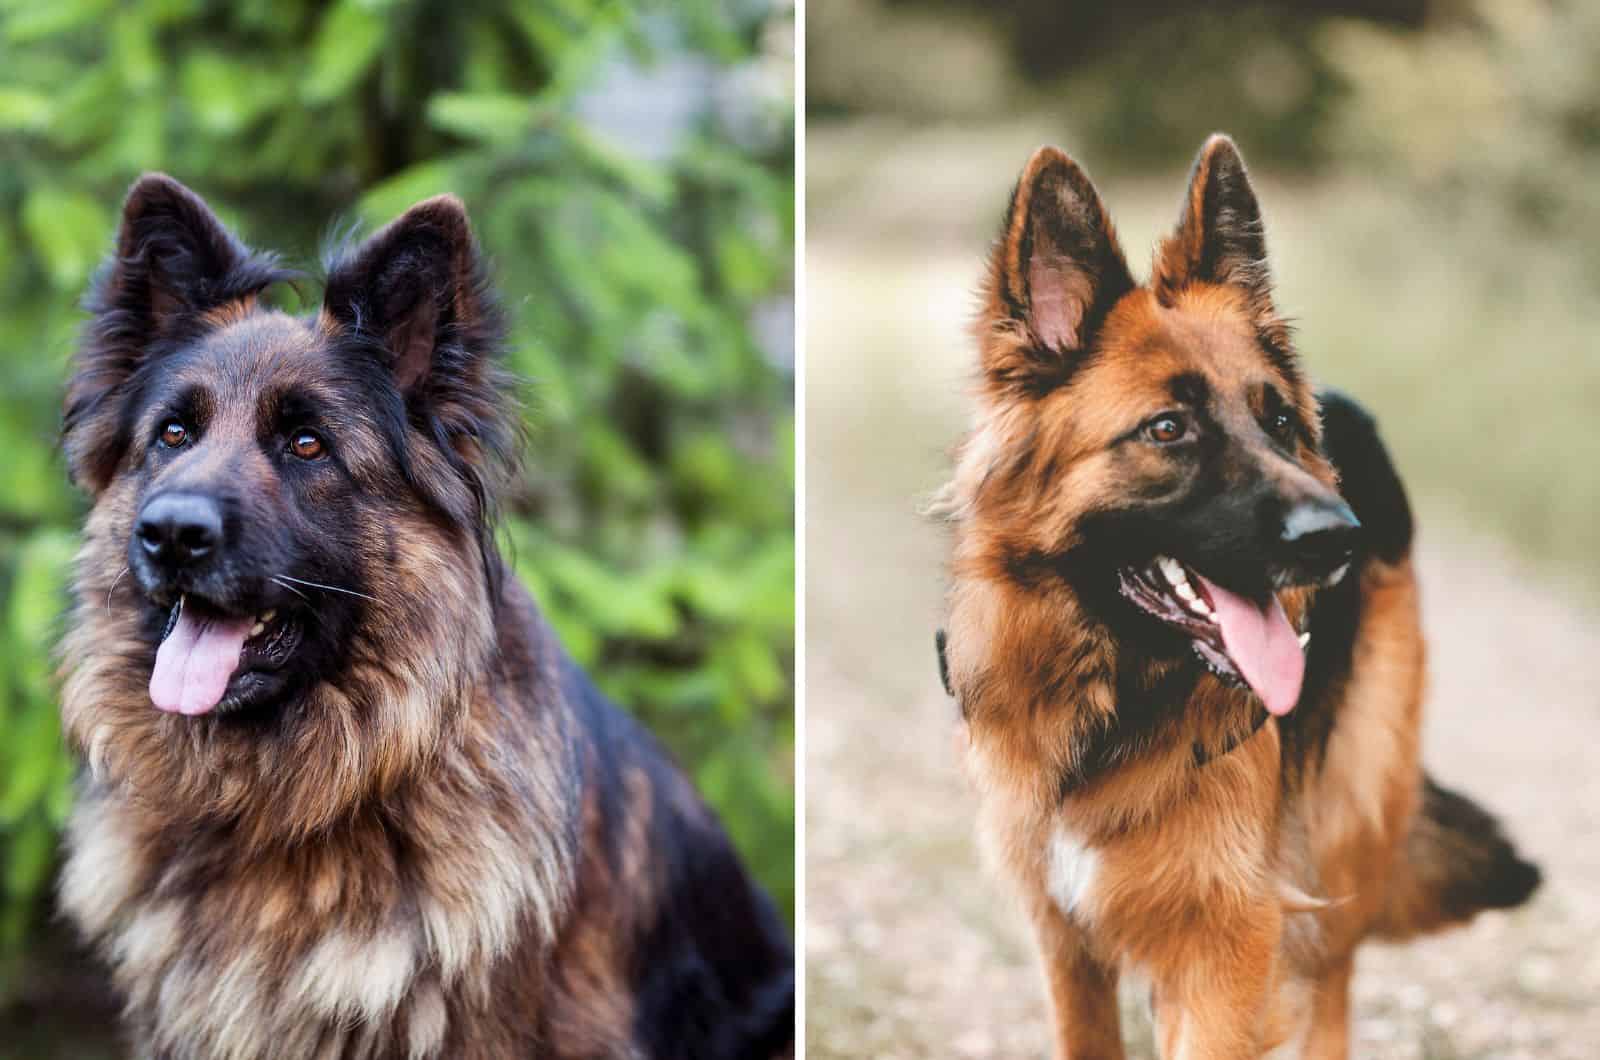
195 661
1263 645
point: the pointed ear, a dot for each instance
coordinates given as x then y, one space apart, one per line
1220 237
417 294
1056 272
175 259
416 288
174 262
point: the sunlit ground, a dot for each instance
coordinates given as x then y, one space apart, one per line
1469 344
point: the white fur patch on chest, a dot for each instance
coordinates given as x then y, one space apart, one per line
1070 869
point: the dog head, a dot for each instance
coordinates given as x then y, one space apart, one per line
1153 448
284 509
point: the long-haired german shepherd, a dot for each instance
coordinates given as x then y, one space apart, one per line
347 796
1184 633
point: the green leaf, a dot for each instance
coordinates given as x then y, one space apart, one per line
133 48
33 754
68 229
348 42
22 110
39 21
490 118
38 600
614 603
226 94
28 856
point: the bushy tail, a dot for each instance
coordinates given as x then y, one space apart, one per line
1457 863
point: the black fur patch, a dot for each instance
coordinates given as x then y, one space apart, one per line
1371 486
712 973
1203 757
944 666
1367 477
1479 867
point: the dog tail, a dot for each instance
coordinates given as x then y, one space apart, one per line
1456 863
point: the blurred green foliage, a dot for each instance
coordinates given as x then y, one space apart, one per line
655 519
1499 109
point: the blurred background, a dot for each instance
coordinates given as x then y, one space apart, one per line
629 167
1429 175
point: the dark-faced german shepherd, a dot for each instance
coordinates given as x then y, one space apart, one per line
1184 634
346 795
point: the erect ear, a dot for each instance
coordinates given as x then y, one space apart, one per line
416 288
1056 271
417 294
1220 238
174 261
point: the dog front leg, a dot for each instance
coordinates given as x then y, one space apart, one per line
1083 990
1214 997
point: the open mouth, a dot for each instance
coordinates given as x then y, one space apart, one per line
1242 641
210 660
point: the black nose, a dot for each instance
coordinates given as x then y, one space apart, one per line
1320 535
175 529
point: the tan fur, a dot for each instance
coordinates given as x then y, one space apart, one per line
231 312
1239 895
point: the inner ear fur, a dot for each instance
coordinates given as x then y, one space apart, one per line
416 297
1220 237
416 286
1055 273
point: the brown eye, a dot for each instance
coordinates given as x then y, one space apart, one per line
1166 428
1283 427
307 445
174 434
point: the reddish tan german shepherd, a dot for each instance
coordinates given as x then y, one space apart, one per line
1184 633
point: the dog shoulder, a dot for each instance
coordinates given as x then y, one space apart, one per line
1367 476
710 963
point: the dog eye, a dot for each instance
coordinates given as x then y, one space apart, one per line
1282 426
307 445
1166 428
174 434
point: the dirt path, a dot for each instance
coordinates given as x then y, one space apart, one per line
914 952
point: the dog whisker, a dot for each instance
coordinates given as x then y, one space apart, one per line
113 588
330 588
279 581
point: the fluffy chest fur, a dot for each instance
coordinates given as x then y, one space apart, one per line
368 942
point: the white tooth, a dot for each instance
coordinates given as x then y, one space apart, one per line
1337 576
268 614
257 629
1172 569
1185 591
1305 638
1199 607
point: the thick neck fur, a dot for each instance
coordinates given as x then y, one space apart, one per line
1049 693
347 886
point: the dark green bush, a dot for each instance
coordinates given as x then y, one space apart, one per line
629 169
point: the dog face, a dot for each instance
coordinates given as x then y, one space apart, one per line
284 509
250 449
1154 447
